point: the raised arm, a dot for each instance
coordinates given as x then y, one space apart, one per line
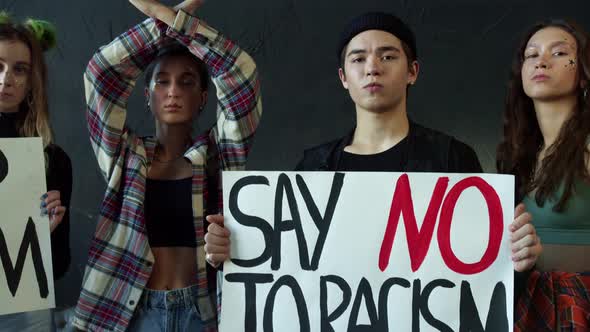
109 80
233 73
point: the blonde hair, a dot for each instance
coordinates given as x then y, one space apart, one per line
38 36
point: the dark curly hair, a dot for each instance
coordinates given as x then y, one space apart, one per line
566 159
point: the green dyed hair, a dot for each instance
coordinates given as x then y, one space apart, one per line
38 36
5 18
43 31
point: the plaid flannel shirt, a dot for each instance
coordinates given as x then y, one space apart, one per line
120 259
554 301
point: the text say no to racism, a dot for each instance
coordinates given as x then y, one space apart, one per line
438 217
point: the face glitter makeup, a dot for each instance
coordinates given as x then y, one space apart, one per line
20 82
11 79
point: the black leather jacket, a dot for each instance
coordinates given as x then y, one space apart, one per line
429 151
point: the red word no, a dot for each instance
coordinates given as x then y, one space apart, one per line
419 239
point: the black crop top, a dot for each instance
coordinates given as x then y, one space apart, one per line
169 213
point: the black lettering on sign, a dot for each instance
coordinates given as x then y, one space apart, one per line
284 185
3 166
250 280
420 304
251 221
322 223
469 315
297 293
14 273
364 291
326 318
384 299
272 236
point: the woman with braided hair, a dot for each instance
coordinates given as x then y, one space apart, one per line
24 113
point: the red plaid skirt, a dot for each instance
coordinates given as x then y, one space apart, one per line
554 301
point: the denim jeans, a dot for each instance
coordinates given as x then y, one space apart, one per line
167 311
32 321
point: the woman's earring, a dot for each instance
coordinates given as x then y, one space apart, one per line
585 93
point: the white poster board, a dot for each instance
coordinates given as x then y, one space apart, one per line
26 276
323 251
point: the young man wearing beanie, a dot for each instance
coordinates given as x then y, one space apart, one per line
378 64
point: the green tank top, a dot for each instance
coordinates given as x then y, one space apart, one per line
572 226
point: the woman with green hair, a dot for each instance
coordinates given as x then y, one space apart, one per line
24 113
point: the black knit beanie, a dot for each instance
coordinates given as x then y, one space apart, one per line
377 21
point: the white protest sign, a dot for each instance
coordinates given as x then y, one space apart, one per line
323 251
26 277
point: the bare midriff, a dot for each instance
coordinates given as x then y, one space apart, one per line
174 267
564 257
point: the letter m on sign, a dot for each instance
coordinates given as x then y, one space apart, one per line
418 239
14 273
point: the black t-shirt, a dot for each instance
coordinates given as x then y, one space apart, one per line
393 159
460 158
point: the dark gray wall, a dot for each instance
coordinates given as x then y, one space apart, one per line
465 47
